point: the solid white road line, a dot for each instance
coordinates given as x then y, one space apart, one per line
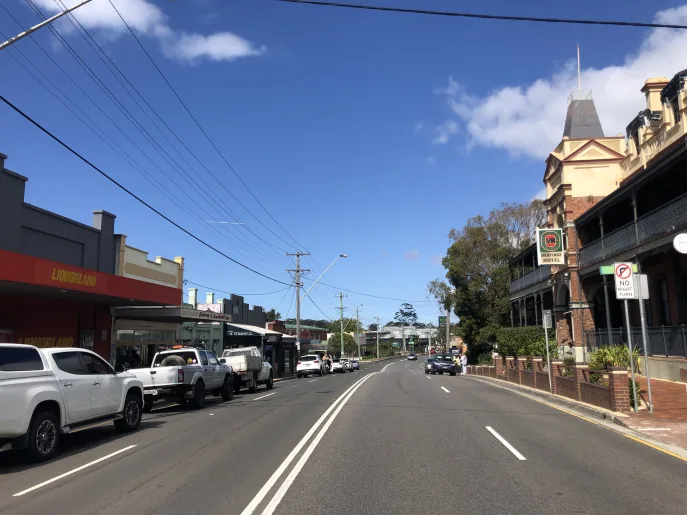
258 398
312 381
445 389
506 444
428 377
284 488
61 476
387 366
248 510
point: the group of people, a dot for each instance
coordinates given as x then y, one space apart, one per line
461 360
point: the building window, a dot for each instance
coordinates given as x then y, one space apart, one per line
635 138
665 302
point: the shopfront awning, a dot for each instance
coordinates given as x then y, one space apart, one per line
175 314
24 274
244 330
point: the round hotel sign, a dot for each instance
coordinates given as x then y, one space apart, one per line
550 241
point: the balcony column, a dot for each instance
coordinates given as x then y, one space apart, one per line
524 303
634 215
601 228
536 309
511 314
608 309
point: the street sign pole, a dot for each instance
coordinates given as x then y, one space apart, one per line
547 326
643 293
629 347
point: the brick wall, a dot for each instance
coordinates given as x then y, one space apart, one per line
527 378
542 381
576 206
566 386
595 394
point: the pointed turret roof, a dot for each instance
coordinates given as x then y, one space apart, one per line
582 120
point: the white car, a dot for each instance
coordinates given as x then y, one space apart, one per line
45 393
337 366
309 364
348 366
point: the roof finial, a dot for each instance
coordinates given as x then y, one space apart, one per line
579 75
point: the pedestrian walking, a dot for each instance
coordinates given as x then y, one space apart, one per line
463 363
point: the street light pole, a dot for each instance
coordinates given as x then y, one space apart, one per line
33 29
377 337
341 308
322 274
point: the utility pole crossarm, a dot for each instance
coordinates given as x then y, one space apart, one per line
298 272
42 24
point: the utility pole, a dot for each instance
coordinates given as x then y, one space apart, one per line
377 337
429 339
341 308
448 328
33 29
403 336
298 272
357 324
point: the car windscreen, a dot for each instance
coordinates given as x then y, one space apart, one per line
308 358
444 359
178 359
19 359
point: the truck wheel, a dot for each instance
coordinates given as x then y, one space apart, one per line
227 389
148 404
270 382
44 436
198 395
236 382
131 416
254 386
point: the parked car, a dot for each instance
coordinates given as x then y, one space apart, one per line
249 368
355 364
310 364
412 357
45 393
185 374
443 363
428 365
348 367
337 366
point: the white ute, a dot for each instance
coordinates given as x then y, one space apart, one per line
250 369
185 374
45 393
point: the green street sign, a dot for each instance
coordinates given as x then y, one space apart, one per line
550 247
610 269
442 321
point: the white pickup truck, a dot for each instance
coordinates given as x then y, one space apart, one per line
45 393
250 369
185 374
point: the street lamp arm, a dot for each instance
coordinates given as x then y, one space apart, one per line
322 275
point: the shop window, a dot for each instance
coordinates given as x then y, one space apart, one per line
665 302
169 336
95 365
18 359
125 335
141 335
68 362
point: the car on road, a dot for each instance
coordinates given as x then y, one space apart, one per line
45 393
337 366
309 364
355 364
348 366
249 368
428 365
185 374
412 357
443 363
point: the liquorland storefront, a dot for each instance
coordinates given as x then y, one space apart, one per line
50 304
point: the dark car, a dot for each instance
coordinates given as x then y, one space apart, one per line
443 363
428 364
412 357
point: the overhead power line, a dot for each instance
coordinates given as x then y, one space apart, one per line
338 288
195 120
234 293
320 310
132 194
487 16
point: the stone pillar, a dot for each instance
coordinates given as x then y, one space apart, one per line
619 390
536 367
498 365
580 377
555 364
518 368
509 366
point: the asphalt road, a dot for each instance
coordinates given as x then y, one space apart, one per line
387 439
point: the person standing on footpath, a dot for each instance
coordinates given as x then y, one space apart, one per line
463 363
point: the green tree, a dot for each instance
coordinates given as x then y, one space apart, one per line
273 315
334 345
406 315
477 268
350 325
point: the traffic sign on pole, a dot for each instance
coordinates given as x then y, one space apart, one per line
624 281
547 319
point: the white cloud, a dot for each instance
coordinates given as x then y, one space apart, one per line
527 120
445 131
146 18
412 255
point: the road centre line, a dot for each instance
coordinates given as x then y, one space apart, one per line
506 444
387 366
312 381
258 398
428 377
284 488
248 510
445 389
61 476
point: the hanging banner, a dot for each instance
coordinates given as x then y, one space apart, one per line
550 247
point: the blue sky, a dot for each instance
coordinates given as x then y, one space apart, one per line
370 134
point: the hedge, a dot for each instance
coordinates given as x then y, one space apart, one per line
525 341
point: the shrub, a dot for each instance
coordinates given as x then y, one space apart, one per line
524 341
485 359
613 356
